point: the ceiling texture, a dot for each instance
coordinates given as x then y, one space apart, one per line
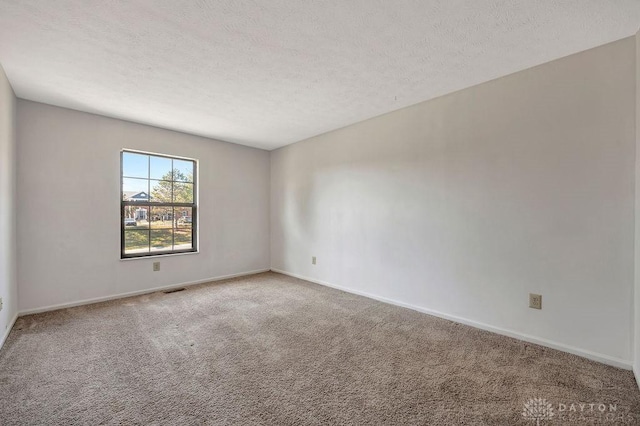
267 73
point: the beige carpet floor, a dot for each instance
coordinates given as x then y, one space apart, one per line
270 349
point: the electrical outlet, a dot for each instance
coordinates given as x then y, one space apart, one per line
535 301
313 260
156 266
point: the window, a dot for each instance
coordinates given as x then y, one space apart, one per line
157 204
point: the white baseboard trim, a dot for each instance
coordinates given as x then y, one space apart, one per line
135 293
8 330
635 374
594 356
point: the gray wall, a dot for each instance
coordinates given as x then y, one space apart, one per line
463 205
8 283
69 220
636 324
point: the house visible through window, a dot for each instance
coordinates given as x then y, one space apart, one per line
158 204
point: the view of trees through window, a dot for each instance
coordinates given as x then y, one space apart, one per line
158 204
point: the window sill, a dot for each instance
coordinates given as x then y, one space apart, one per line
127 259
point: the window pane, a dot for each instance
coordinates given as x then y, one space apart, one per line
160 191
135 190
160 168
136 241
183 215
182 192
136 217
161 239
183 170
183 239
161 217
135 165
183 235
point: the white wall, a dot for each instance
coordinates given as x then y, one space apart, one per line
464 204
636 295
68 203
8 282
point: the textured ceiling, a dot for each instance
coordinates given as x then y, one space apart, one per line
269 73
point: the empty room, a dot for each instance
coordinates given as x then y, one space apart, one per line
358 212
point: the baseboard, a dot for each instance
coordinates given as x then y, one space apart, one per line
8 330
594 356
135 293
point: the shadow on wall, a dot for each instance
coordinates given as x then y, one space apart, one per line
467 203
